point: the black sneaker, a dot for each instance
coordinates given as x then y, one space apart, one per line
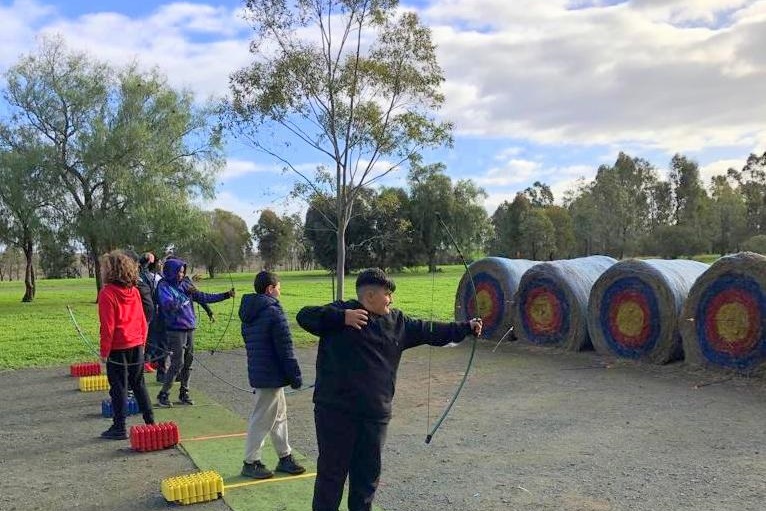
289 466
185 399
163 401
256 470
115 433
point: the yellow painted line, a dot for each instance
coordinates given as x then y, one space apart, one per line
212 437
271 480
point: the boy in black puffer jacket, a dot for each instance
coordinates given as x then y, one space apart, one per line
271 365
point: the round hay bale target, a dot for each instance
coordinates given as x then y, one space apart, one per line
723 319
496 280
552 301
634 308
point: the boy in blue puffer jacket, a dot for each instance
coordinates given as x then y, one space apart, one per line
175 294
271 365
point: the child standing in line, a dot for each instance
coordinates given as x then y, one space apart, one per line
123 334
175 294
271 365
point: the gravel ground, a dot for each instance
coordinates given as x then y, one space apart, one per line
539 429
52 458
533 429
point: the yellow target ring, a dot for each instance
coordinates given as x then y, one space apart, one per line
484 304
630 319
541 311
732 322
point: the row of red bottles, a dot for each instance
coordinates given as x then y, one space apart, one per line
85 369
153 437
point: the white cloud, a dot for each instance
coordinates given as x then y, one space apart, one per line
509 152
168 38
247 210
513 172
685 11
625 73
502 182
250 210
236 168
494 200
717 168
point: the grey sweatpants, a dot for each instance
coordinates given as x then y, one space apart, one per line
269 417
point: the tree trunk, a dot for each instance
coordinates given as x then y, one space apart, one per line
342 212
432 261
29 273
340 264
94 254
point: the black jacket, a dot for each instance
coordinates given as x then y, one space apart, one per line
147 301
356 369
271 361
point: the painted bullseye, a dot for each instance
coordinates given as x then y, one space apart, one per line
544 312
630 317
543 308
491 302
484 297
731 321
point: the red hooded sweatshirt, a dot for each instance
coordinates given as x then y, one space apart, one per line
123 324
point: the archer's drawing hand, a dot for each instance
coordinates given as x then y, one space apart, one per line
356 318
476 325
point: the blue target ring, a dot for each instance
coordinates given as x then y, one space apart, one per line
741 294
641 294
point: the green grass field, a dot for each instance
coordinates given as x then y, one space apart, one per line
41 333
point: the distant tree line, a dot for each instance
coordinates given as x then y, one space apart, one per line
627 210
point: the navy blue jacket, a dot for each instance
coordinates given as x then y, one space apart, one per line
356 369
271 361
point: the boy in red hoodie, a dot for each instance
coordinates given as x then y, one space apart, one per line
123 334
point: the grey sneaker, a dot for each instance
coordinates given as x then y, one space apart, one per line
256 470
289 466
163 401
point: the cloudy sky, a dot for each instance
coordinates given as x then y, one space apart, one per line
538 89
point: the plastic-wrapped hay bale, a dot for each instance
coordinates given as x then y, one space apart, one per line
552 301
634 308
497 280
723 319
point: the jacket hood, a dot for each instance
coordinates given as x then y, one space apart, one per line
253 304
121 294
170 270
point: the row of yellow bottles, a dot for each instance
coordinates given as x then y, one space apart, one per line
193 488
91 383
